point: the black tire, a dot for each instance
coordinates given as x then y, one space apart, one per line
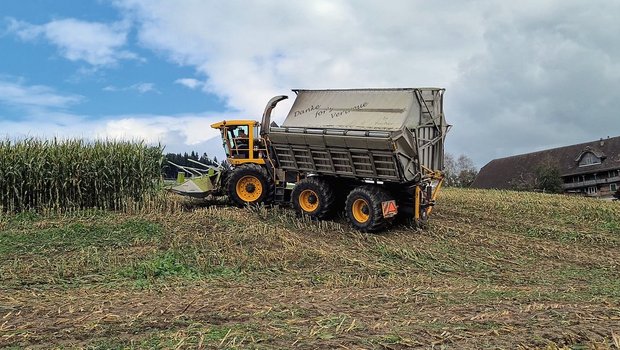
341 190
251 175
367 199
314 196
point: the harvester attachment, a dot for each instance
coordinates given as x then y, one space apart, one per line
202 182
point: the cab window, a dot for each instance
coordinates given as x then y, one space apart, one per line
241 134
226 143
241 141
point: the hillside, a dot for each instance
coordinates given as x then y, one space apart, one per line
493 270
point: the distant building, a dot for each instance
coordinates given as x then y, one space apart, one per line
589 169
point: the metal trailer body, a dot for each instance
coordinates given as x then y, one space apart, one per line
387 135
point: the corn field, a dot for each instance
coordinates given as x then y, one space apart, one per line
75 174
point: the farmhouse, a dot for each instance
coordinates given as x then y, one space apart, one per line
589 169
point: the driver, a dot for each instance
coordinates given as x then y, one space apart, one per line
242 143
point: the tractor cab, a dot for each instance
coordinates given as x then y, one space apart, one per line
242 142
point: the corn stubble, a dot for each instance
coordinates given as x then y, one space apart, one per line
494 269
60 175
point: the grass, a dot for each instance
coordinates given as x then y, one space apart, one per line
494 269
77 235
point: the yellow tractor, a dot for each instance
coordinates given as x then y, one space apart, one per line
249 181
373 153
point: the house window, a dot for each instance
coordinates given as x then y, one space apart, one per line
613 187
589 158
591 190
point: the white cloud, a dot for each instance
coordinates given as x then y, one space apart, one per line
548 78
144 87
178 133
156 128
190 83
18 95
520 76
43 113
315 44
139 87
97 44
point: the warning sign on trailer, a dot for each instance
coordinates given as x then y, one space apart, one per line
389 208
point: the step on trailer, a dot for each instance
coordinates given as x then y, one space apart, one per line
376 154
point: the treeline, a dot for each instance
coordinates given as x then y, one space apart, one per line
459 172
170 172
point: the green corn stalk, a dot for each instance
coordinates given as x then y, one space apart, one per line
75 174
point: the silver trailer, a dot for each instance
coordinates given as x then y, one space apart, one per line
389 135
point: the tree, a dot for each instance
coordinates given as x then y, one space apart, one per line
544 177
459 172
548 179
467 171
524 181
450 172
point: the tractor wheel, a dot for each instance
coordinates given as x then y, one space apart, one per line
363 208
249 184
314 196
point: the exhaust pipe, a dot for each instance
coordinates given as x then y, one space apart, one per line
264 125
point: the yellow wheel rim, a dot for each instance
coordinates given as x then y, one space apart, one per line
308 201
361 211
249 188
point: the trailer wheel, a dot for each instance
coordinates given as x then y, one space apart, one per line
249 184
363 208
315 197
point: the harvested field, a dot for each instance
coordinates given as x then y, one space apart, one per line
493 270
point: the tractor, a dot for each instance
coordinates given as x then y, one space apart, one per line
375 155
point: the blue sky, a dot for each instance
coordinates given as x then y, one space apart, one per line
144 84
519 77
70 84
